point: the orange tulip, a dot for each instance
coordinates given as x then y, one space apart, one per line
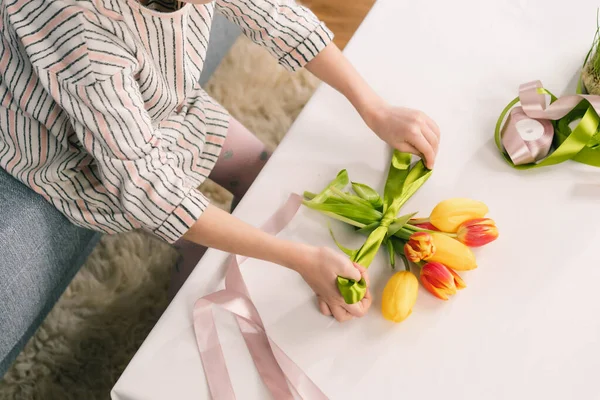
440 281
399 296
448 215
419 247
477 232
452 253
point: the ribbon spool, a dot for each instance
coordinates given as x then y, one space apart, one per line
525 139
582 144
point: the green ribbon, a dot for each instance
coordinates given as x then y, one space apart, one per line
402 182
579 145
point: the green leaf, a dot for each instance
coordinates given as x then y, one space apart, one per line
367 193
399 168
340 182
401 160
364 216
349 252
399 224
416 173
308 196
391 252
349 198
369 249
415 179
346 220
351 291
398 244
369 228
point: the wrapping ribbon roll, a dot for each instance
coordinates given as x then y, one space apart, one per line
525 139
581 144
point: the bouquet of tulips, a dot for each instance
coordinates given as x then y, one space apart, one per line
438 245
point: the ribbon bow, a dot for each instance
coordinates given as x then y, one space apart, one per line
368 212
582 144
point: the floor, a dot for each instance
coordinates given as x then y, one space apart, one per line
341 16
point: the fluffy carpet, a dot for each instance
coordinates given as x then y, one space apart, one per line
114 301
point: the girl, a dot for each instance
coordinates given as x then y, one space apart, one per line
102 114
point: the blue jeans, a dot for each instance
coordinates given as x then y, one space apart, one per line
41 251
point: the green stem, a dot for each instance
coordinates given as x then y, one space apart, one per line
417 229
344 219
419 221
354 200
403 234
310 195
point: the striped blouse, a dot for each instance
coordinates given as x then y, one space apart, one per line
101 111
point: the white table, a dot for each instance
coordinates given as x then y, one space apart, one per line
528 325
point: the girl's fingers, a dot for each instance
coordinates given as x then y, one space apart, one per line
340 314
434 127
363 273
431 137
324 308
356 310
359 309
408 148
423 146
349 271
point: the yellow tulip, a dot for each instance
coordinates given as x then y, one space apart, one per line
452 253
448 215
399 296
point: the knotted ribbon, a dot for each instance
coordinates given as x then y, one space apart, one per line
274 366
380 222
582 144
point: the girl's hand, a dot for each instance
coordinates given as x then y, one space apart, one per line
321 274
406 130
319 267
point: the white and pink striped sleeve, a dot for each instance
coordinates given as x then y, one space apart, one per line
146 176
291 32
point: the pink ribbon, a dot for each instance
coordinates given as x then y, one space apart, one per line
534 103
533 106
274 366
520 150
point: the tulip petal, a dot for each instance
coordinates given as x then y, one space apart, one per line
438 280
477 232
420 246
399 296
449 214
452 253
433 290
458 281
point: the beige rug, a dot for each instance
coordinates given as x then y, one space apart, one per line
112 304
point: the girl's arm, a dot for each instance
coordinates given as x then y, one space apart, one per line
404 129
318 266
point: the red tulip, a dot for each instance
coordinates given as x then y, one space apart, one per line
441 281
426 225
477 232
419 247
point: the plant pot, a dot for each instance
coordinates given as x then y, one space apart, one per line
591 81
